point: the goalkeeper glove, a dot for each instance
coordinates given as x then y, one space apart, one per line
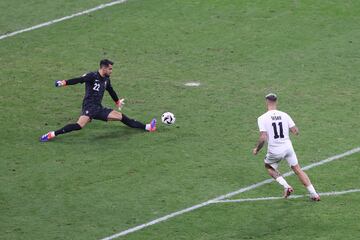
120 103
60 83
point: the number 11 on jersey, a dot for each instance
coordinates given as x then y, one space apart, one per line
276 134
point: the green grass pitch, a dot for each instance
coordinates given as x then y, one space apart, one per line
108 178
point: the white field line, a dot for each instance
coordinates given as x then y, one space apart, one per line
292 196
62 19
241 190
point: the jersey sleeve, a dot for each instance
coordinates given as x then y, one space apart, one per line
261 125
82 79
112 92
290 121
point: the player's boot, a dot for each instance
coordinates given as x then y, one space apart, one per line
315 197
288 191
152 126
46 137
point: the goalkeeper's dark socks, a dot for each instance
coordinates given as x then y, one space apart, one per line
131 122
68 128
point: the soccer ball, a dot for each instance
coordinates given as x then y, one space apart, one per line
168 118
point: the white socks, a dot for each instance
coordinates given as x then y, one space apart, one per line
283 182
311 190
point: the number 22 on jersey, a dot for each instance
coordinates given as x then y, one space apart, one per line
96 86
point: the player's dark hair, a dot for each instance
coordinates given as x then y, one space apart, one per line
105 63
271 97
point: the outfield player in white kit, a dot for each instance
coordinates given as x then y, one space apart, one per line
274 126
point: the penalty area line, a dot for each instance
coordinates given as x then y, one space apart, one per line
241 190
101 6
291 197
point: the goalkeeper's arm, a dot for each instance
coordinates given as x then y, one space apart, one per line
73 81
119 102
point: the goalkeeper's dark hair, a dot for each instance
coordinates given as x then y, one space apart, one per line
105 63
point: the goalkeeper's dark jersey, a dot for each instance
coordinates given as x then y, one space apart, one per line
95 86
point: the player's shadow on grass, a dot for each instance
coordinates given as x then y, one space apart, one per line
101 134
123 132
120 133
89 136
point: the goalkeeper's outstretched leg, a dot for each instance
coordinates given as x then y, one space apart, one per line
118 116
83 120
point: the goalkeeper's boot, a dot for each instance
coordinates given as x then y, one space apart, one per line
151 127
288 191
46 137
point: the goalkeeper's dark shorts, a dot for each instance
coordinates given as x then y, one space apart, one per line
96 112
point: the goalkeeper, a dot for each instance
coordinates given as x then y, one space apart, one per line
95 85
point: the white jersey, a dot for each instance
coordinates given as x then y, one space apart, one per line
277 125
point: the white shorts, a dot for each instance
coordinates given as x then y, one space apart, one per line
274 159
